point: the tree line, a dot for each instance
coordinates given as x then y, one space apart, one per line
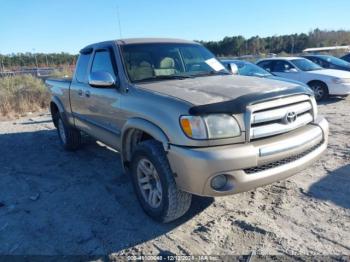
289 44
31 60
229 46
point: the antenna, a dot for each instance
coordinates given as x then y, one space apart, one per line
119 24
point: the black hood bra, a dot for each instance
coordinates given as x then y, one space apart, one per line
239 104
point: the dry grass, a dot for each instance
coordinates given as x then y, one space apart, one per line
66 72
20 94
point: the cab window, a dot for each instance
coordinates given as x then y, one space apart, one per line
82 68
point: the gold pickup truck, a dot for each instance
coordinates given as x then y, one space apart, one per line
183 124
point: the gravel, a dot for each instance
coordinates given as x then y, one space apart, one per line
54 202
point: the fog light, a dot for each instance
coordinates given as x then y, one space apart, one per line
219 182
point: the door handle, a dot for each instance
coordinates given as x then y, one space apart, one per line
87 93
80 92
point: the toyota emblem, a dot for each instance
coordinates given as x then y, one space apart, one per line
290 117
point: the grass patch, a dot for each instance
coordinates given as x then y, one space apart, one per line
23 93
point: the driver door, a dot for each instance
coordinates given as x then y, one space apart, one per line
103 103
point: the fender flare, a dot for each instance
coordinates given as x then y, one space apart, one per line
62 112
145 126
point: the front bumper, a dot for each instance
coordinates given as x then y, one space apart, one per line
339 89
248 165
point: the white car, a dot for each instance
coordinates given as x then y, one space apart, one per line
324 82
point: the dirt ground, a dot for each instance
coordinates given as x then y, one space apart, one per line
54 202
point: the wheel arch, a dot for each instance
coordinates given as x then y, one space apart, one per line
137 130
318 81
56 107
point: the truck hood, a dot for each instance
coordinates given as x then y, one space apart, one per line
216 89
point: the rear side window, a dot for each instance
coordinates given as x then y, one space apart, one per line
82 68
267 65
346 58
282 66
103 62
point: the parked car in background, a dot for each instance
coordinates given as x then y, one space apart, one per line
239 67
183 124
329 62
245 68
346 58
324 82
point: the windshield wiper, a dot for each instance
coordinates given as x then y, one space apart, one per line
212 73
163 77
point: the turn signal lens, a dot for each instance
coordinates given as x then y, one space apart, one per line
186 126
193 127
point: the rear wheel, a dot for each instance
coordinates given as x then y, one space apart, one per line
70 137
154 183
320 89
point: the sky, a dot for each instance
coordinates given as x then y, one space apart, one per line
68 25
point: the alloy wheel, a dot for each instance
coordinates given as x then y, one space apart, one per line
149 183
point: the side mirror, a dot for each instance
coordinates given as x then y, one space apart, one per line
101 79
234 68
293 70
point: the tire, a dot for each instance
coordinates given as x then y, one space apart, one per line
320 89
70 138
150 172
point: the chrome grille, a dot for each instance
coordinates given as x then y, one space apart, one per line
277 118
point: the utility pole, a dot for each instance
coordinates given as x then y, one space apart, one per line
36 61
2 65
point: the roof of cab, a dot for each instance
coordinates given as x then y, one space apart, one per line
129 41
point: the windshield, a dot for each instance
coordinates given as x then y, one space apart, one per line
249 69
306 65
165 61
335 61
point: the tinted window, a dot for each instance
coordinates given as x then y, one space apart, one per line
346 58
267 65
82 67
322 63
249 69
282 66
305 64
335 61
313 59
102 62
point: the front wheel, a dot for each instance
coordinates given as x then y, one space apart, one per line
320 90
154 183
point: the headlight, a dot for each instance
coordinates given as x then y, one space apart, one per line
341 80
221 126
210 127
